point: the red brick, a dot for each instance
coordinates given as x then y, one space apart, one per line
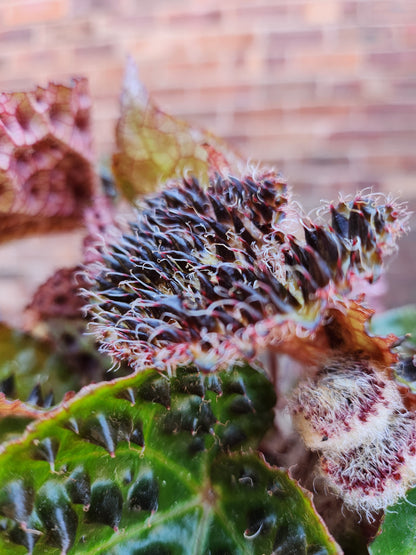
363 135
195 19
389 162
94 52
347 89
73 32
326 110
257 121
19 35
24 12
82 7
275 62
393 60
268 16
405 88
406 36
296 90
386 12
325 161
392 109
106 80
255 12
350 10
36 62
323 12
325 62
296 40
376 37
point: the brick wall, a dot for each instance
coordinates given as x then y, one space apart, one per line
323 89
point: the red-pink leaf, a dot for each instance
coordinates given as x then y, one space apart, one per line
46 176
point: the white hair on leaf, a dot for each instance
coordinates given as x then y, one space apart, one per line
353 414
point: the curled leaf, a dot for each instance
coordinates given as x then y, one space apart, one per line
211 275
153 146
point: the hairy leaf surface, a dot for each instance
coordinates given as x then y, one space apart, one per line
40 372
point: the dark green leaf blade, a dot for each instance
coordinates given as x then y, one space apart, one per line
138 465
398 529
397 536
400 321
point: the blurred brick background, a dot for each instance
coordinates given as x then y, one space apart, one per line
325 90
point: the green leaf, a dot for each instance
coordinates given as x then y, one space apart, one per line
400 321
397 536
399 529
30 367
40 372
153 146
148 464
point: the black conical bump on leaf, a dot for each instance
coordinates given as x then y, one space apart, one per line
35 396
46 450
155 548
196 445
16 500
58 517
248 478
189 491
290 539
49 400
7 385
27 538
137 436
106 504
123 426
100 430
72 424
240 405
192 383
259 521
212 383
144 493
156 389
78 486
232 436
190 414
234 385
129 395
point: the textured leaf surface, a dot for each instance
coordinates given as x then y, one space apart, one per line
26 362
149 465
397 536
58 297
153 146
402 323
206 275
46 176
39 372
398 530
